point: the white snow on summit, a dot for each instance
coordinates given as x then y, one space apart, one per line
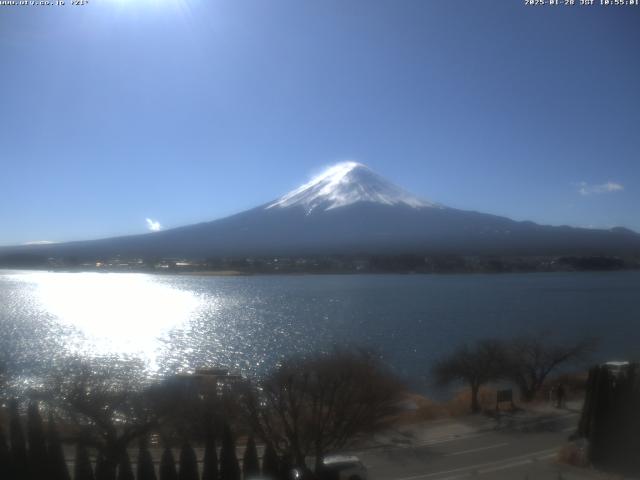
347 183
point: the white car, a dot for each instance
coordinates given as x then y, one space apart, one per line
616 368
345 467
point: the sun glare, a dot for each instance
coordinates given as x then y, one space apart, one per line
180 10
121 313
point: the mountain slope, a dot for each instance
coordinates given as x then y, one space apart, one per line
350 209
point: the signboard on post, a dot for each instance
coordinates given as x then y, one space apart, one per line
505 396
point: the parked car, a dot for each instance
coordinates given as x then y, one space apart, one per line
343 467
616 368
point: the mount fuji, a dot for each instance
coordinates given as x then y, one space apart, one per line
350 209
345 184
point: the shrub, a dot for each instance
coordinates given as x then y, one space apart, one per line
125 472
270 463
5 457
145 469
57 464
17 444
210 467
229 468
250 463
168 466
188 464
82 467
105 470
37 453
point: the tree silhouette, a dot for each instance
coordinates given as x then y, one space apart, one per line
210 467
312 405
286 464
188 464
5 457
168 466
37 453
475 366
145 469
105 407
270 463
531 360
250 463
82 469
610 419
125 471
229 468
105 470
57 465
17 443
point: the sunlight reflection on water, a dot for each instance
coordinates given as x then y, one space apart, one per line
178 322
119 313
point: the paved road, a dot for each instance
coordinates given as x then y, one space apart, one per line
444 450
516 451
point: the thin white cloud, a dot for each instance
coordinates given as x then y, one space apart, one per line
609 187
39 242
153 225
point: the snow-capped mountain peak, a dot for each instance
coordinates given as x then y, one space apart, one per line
347 183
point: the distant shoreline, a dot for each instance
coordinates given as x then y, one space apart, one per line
211 273
332 264
239 273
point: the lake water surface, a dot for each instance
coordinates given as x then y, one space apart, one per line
249 323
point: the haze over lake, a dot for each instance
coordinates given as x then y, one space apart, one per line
175 322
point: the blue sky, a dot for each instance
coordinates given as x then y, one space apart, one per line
188 110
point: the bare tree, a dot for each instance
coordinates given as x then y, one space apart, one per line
107 408
192 410
475 366
531 360
185 413
315 405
